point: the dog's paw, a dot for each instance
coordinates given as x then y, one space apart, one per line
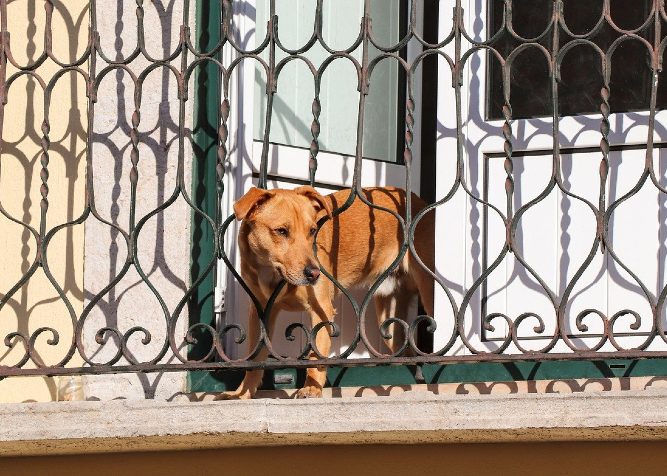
234 396
309 391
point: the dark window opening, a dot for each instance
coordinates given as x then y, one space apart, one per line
581 78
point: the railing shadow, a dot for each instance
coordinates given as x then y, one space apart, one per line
35 299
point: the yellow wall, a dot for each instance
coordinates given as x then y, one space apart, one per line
543 459
36 303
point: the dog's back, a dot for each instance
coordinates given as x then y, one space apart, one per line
365 241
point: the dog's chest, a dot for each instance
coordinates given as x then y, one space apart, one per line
267 280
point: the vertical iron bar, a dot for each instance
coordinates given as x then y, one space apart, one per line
182 98
509 163
360 334
604 148
315 132
555 171
4 43
270 92
656 61
359 150
457 82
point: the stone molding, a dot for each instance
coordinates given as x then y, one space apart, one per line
418 416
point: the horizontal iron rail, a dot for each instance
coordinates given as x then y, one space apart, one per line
589 356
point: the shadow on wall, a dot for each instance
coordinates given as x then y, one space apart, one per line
564 385
120 298
41 187
43 190
136 134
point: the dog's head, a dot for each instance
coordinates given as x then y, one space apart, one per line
281 226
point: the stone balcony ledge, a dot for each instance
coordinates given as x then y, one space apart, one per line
404 415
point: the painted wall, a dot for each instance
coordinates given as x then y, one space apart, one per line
164 245
516 459
35 303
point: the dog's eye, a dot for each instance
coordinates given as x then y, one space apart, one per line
313 230
282 231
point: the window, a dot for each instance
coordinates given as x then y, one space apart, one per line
578 89
339 98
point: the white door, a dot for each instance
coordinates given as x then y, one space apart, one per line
556 232
301 123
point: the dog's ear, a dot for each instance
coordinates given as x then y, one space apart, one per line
251 200
318 201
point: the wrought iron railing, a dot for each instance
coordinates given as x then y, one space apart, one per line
564 338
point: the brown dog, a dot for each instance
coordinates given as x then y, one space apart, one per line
356 247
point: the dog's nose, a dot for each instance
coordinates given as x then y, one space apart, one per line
311 273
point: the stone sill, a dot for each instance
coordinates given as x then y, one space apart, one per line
419 415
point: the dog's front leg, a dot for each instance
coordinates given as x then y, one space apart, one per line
316 377
253 378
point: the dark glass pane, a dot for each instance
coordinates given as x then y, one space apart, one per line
581 77
629 14
581 17
531 18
